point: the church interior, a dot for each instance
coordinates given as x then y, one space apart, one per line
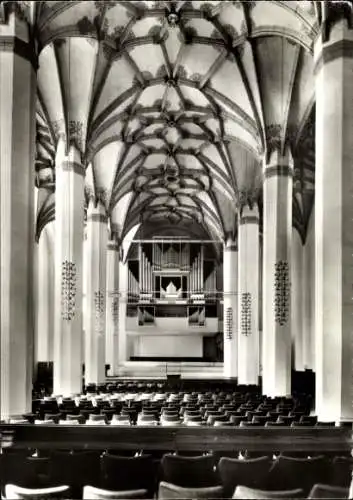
176 249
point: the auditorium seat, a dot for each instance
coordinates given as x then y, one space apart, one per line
244 423
128 473
286 419
306 418
193 472
169 491
249 472
327 491
44 422
217 418
279 423
54 417
120 420
108 413
341 471
243 492
325 424
14 492
95 419
260 419
193 420
170 420
147 420
301 424
75 468
92 493
291 472
30 417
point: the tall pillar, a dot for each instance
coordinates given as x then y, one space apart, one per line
123 291
17 150
334 223
297 308
309 296
277 232
96 292
112 308
230 308
45 288
248 299
69 231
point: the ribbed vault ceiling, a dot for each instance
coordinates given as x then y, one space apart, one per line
174 104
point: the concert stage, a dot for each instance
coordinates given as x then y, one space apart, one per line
162 369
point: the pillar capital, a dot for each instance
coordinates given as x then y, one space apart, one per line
334 12
96 211
68 159
16 33
113 245
230 244
278 164
249 214
338 45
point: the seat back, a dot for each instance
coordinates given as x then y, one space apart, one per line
247 493
193 472
14 492
168 490
127 473
91 493
251 472
341 471
289 473
328 491
75 469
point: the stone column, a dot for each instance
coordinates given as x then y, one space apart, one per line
96 292
334 223
297 309
69 203
230 308
277 232
309 297
45 288
248 299
123 289
17 150
112 309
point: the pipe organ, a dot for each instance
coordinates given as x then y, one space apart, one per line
172 293
172 271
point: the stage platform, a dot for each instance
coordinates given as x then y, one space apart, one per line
162 369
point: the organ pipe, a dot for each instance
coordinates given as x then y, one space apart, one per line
140 266
201 268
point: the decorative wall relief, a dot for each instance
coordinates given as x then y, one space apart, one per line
99 308
228 323
115 308
282 292
245 311
98 303
68 290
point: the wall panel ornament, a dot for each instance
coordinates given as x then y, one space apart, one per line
228 319
115 307
245 312
282 292
68 290
99 308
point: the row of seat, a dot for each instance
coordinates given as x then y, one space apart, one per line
118 473
219 409
167 491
